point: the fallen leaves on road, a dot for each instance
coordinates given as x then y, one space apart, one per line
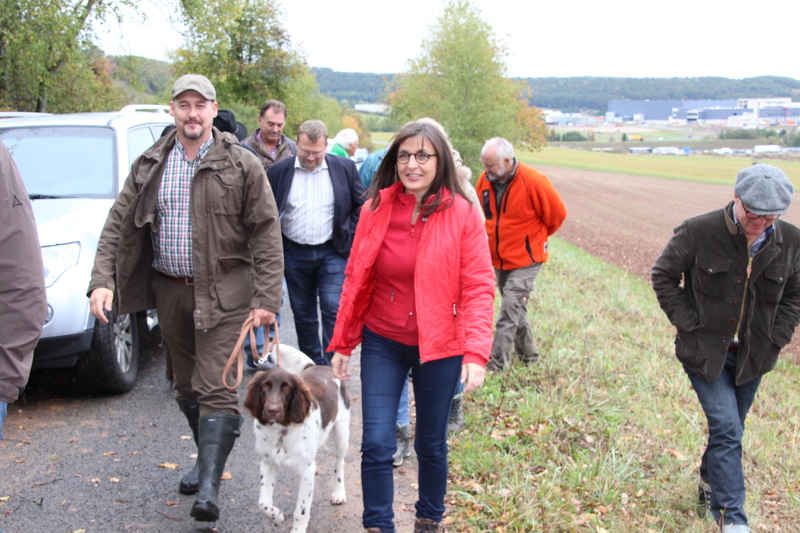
169 465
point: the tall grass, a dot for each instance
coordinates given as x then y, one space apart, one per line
604 434
696 168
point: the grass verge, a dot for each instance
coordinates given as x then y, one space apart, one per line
604 434
695 168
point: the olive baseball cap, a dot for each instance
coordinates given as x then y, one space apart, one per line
194 82
764 189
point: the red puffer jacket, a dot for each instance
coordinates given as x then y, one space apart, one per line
454 282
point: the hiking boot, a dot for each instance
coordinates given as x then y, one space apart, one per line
528 360
403 445
262 365
426 524
456 422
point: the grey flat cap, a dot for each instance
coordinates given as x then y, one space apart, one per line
764 189
194 82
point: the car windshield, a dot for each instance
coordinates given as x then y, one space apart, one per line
70 161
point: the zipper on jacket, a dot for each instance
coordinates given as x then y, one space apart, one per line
744 296
391 296
454 310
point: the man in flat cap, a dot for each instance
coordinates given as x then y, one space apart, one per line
194 233
729 281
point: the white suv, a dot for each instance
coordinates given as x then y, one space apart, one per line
74 166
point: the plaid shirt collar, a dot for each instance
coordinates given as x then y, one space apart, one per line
201 153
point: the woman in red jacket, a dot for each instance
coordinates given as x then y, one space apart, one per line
418 295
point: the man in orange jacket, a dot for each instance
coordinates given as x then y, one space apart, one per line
522 210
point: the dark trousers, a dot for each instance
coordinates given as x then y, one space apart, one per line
197 356
313 272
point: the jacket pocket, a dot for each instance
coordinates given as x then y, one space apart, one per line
711 274
233 283
687 348
770 287
227 191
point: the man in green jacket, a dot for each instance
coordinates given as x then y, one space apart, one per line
195 234
729 281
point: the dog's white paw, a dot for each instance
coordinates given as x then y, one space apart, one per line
338 497
274 514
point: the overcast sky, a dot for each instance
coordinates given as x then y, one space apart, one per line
626 38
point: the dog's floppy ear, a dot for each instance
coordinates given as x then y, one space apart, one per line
254 401
300 404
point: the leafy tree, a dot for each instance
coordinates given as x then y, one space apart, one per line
245 51
460 79
47 62
573 136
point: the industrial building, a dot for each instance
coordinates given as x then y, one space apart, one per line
741 113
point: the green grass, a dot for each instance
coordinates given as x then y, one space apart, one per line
605 433
382 138
696 168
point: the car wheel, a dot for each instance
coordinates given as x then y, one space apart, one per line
112 363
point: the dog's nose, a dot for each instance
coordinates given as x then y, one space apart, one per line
273 410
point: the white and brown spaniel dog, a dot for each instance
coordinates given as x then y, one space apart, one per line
294 414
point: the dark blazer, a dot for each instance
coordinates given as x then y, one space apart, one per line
348 195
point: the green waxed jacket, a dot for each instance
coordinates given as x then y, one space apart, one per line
718 301
237 251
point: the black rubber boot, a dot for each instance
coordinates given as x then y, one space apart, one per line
217 434
189 482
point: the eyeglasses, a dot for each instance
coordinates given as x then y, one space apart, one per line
306 153
753 216
421 157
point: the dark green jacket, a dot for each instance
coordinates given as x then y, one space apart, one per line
718 300
237 251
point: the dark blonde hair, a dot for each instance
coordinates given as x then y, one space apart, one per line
445 177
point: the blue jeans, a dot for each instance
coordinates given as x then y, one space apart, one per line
312 272
259 331
3 411
403 416
726 406
384 370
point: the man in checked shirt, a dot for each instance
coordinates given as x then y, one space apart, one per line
195 234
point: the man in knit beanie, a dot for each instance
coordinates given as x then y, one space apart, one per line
729 281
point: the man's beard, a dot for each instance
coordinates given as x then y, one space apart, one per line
193 136
306 166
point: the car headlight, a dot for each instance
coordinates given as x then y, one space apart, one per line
57 259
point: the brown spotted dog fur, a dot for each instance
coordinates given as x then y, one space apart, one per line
294 414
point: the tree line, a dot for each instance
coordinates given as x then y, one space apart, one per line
589 94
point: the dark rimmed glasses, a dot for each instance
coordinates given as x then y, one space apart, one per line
753 216
420 157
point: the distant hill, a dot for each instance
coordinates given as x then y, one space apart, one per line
590 94
582 93
352 87
145 79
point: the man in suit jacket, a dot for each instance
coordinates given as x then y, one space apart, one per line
319 197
